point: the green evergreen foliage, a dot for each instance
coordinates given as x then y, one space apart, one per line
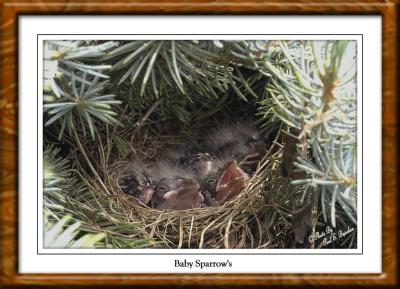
314 93
60 229
77 217
110 90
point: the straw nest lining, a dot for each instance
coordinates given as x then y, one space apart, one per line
242 222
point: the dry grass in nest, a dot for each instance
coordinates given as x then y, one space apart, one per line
227 226
243 222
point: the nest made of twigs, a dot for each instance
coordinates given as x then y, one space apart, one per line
225 226
242 222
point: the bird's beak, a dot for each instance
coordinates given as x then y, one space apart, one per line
232 182
186 196
147 195
185 187
170 195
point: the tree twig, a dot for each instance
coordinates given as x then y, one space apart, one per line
145 117
89 163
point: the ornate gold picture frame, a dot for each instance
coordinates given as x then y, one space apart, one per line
11 10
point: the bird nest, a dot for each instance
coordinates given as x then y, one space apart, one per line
249 220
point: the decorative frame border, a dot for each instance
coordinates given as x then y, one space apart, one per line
10 10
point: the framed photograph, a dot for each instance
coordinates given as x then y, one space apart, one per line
246 145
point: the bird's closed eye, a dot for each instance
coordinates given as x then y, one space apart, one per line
163 189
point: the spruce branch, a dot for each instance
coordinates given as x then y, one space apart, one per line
60 57
61 230
153 67
82 106
314 92
76 215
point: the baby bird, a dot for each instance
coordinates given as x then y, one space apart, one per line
138 184
178 194
240 141
207 169
231 182
175 188
220 179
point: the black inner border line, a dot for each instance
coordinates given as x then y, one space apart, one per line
308 251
